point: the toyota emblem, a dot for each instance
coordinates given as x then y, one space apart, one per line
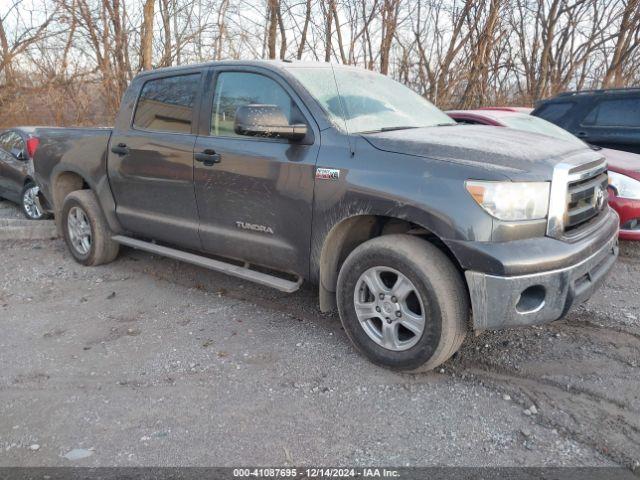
600 198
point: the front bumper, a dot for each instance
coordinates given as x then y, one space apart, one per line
512 301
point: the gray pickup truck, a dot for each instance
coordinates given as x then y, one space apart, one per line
416 229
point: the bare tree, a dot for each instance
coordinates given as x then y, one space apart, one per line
627 43
457 53
12 47
272 32
389 12
305 29
147 36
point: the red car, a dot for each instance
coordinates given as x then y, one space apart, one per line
624 167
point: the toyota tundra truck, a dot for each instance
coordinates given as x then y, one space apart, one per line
417 230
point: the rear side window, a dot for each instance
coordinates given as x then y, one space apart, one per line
553 112
623 112
167 104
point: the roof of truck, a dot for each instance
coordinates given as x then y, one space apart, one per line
270 64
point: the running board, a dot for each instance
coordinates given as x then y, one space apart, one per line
245 273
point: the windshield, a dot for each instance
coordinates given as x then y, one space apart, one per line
361 101
538 125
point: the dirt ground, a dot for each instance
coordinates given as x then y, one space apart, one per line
148 361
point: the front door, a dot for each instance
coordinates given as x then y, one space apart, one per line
255 201
151 163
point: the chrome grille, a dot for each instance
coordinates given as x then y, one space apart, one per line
578 194
586 198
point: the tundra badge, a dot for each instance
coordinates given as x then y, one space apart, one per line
255 227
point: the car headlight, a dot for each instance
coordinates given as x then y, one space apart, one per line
625 187
511 200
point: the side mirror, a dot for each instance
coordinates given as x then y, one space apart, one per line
266 121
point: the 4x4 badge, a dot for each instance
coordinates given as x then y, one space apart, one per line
327 173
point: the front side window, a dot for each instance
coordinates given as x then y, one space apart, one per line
623 112
364 101
237 89
167 104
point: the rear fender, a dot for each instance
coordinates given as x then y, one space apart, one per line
99 184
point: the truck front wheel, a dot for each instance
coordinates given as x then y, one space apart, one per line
402 302
86 231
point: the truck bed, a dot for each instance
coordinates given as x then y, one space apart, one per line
82 150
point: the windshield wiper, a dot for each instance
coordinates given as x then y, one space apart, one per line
452 124
388 129
391 129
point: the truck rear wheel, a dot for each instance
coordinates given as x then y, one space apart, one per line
402 302
86 231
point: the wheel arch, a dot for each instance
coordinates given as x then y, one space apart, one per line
349 233
66 178
63 182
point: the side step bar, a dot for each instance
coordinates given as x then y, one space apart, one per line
245 273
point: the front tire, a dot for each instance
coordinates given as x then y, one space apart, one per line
86 231
402 302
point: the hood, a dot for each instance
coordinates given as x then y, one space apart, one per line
517 154
622 162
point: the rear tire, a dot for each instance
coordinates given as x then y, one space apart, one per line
86 231
412 304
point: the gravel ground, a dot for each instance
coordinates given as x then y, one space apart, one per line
148 361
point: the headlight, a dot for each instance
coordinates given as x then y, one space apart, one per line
511 200
625 187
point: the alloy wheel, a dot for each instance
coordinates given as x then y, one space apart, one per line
389 308
30 203
79 229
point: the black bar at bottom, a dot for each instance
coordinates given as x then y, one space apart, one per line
402 473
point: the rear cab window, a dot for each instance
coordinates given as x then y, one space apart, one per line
167 104
620 112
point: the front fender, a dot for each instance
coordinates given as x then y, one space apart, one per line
429 193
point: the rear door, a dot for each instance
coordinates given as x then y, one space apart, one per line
255 204
612 123
151 162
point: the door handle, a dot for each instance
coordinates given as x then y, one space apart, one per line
208 157
120 149
582 134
